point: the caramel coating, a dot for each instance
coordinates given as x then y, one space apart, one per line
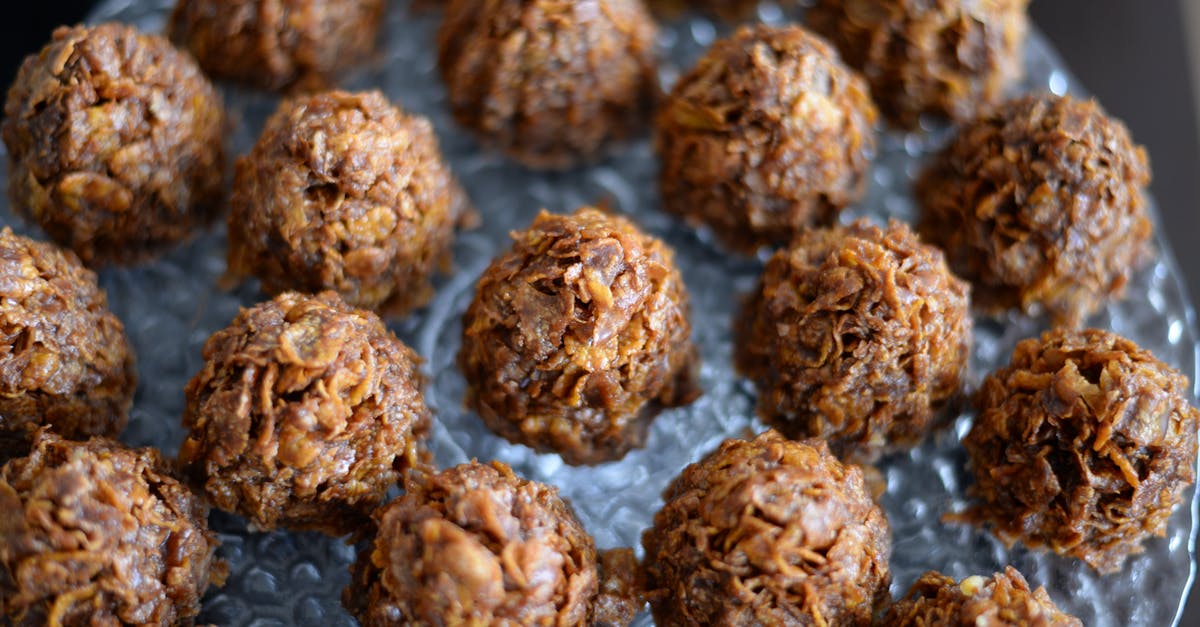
306 411
1083 444
1039 204
856 335
578 336
724 9
768 135
767 532
345 192
114 143
64 358
277 44
98 534
553 84
946 57
476 544
1002 600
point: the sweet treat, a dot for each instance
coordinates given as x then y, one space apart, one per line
476 544
1039 203
553 84
768 135
1002 600
64 359
98 534
855 335
114 143
946 57
1083 444
767 532
578 336
305 413
345 192
276 44
724 9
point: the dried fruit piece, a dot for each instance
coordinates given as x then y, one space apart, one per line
767 532
948 57
1039 203
551 83
115 143
98 534
476 544
305 412
274 44
1002 600
768 135
1083 444
345 192
65 361
578 336
856 335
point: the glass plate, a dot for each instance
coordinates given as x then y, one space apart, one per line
172 305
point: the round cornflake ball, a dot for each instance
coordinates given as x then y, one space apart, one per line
345 192
476 544
274 44
946 57
768 135
577 336
856 335
551 83
305 413
114 143
767 532
1083 444
1002 600
98 534
65 360
1040 204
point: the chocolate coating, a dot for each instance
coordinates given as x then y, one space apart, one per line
1083 444
946 57
553 84
345 192
305 412
476 544
577 336
98 534
856 335
1002 600
274 44
64 358
768 135
1039 203
767 532
114 143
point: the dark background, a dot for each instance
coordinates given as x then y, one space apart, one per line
1131 55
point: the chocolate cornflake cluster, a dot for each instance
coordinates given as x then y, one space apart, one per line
94 533
578 336
345 192
768 135
1039 203
115 143
947 57
1083 444
277 44
856 335
477 544
305 413
553 84
1002 600
65 361
768 531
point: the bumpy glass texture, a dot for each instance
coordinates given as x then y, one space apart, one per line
171 306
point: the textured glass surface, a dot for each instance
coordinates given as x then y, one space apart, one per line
172 305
